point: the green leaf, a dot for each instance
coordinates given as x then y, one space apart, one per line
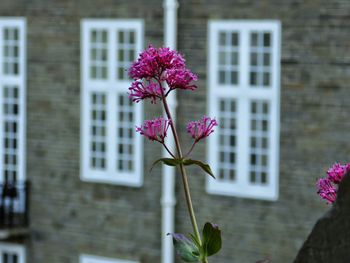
206 168
185 248
166 161
211 239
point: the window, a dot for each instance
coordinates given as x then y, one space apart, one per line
96 259
244 69
12 98
110 150
11 253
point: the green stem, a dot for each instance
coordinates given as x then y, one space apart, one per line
183 172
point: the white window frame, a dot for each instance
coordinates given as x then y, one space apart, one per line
19 250
111 87
19 81
243 94
97 259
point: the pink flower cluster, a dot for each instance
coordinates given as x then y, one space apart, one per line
155 130
150 71
201 128
327 187
155 66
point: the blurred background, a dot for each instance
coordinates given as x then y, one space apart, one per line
75 181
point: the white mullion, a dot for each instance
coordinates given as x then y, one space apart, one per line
243 131
111 104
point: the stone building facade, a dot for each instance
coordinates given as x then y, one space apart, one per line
70 217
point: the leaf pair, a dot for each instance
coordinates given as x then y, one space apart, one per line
175 162
191 250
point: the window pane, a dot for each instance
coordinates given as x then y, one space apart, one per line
260 59
126 53
267 61
10 51
222 39
228 58
98 54
267 39
254 39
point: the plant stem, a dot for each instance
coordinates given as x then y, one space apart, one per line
183 171
167 149
190 150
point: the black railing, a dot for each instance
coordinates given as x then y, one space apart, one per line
14 205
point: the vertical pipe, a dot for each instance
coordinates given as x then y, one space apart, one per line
168 200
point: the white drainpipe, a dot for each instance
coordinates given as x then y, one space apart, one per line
168 200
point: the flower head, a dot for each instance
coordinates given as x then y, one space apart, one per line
155 130
337 172
202 128
138 91
162 64
180 78
146 66
327 187
326 190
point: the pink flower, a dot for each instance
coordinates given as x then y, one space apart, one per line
146 66
168 58
337 172
155 130
326 190
202 128
153 62
139 91
180 78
